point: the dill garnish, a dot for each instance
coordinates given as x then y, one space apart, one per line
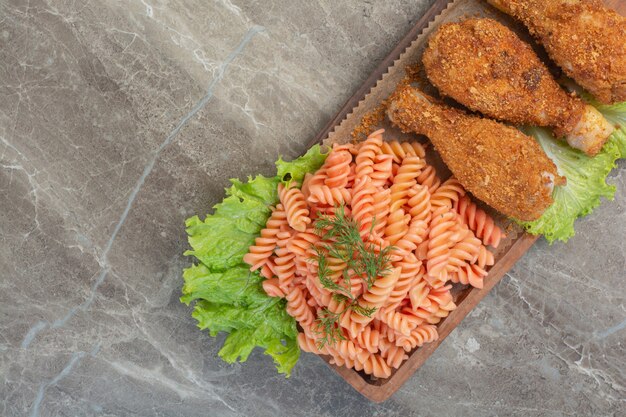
327 326
341 239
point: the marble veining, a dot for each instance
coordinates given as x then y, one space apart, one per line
103 261
119 119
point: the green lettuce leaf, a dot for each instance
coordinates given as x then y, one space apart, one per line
295 170
616 114
228 297
586 184
264 189
619 138
258 326
236 286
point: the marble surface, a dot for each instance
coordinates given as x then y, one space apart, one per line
119 119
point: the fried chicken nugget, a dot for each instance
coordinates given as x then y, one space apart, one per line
496 163
485 66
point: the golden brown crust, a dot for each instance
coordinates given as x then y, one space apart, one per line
586 39
498 164
486 67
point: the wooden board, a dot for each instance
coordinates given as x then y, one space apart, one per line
511 249
619 5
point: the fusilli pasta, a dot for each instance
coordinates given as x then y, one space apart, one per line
431 232
295 205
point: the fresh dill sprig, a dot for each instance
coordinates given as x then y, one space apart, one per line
327 326
323 272
364 311
346 277
375 263
340 298
364 260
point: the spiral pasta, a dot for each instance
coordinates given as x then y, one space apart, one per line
485 257
338 360
372 364
480 222
443 234
432 232
320 296
405 178
259 253
396 320
366 155
394 356
465 251
354 286
302 241
317 211
306 182
271 288
441 301
347 349
285 268
317 179
409 270
397 226
447 193
399 150
428 178
298 307
369 339
351 175
350 147
323 194
336 267
337 168
424 333
382 170
469 274
418 292
363 204
380 208
419 202
295 206
415 234
308 344
376 296
268 269
282 238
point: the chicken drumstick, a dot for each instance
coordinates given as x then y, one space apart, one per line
498 164
486 67
586 39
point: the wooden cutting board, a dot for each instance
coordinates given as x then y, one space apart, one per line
619 5
375 89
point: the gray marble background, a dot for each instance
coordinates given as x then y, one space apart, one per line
119 119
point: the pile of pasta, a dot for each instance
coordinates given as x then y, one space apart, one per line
438 237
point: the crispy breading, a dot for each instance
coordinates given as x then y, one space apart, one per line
498 164
585 38
485 66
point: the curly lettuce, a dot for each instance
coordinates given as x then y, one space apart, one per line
297 169
586 185
227 296
586 176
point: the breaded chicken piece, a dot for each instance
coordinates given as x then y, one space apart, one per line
586 39
496 163
485 66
